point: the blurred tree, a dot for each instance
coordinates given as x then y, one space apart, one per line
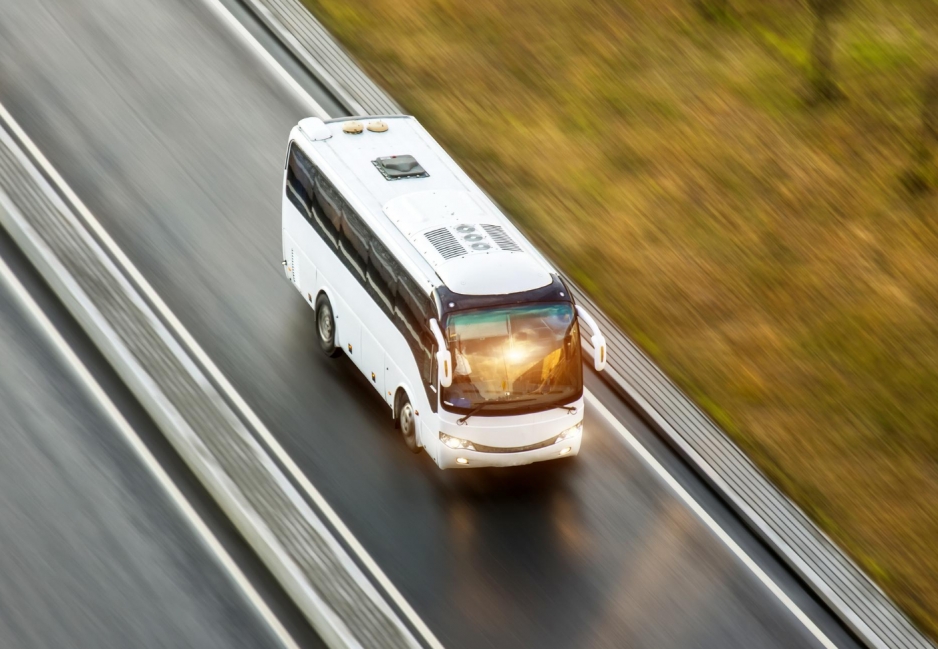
713 10
923 176
824 87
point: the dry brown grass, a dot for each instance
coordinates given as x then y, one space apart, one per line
762 251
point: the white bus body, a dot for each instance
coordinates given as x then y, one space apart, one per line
418 277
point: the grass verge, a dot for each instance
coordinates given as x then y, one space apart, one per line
762 250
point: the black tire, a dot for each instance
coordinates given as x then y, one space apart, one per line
407 422
325 326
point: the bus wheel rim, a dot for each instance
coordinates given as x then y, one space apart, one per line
407 420
325 324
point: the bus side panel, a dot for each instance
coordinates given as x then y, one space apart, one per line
429 431
394 378
301 271
308 278
290 253
360 322
332 278
348 329
373 359
355 310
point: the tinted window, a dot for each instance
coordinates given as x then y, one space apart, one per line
382 275
303 178
411 310
355 238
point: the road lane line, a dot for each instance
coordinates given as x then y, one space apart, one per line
219 378
94 390
266 57
701 513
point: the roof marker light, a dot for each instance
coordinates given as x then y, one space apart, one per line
352 128
378 126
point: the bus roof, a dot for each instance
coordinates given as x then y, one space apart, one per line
411 188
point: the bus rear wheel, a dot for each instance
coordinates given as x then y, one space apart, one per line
407 422
325 326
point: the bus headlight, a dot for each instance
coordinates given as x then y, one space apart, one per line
570 433
456 443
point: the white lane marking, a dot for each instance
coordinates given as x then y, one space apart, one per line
170 318
266 57
695 507
95 391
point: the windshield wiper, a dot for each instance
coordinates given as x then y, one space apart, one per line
571 409
462 420
479 408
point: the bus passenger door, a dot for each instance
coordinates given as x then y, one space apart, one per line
372 361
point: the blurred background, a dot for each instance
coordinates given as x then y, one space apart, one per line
749 186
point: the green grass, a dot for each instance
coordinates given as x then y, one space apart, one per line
762 251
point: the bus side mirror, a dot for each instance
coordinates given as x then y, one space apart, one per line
444 362
597 340
444 369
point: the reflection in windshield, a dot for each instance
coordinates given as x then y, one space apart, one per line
528 353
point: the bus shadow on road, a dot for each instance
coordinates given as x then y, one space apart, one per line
530 482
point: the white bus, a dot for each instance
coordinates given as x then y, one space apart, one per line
467 333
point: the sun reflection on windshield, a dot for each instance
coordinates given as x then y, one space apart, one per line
525 353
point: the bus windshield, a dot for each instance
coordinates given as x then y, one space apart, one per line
520 357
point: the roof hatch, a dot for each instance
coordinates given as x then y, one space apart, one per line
397 167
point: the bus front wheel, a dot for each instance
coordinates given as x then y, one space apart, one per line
407 422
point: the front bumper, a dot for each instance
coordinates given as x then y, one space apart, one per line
449 458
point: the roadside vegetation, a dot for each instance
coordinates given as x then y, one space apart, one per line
750 188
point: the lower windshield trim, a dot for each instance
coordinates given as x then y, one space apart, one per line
508 411
481 448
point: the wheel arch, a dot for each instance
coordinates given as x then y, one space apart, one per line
400 390
327 292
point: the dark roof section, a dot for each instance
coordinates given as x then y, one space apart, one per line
451 301
397 167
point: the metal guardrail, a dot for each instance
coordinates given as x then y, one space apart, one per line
309 42
297 547
833 576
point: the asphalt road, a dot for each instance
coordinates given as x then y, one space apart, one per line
173 133
94 552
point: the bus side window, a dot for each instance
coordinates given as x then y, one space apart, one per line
355 236
381 275
301 177
303 188
428 362
407 305
328 200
